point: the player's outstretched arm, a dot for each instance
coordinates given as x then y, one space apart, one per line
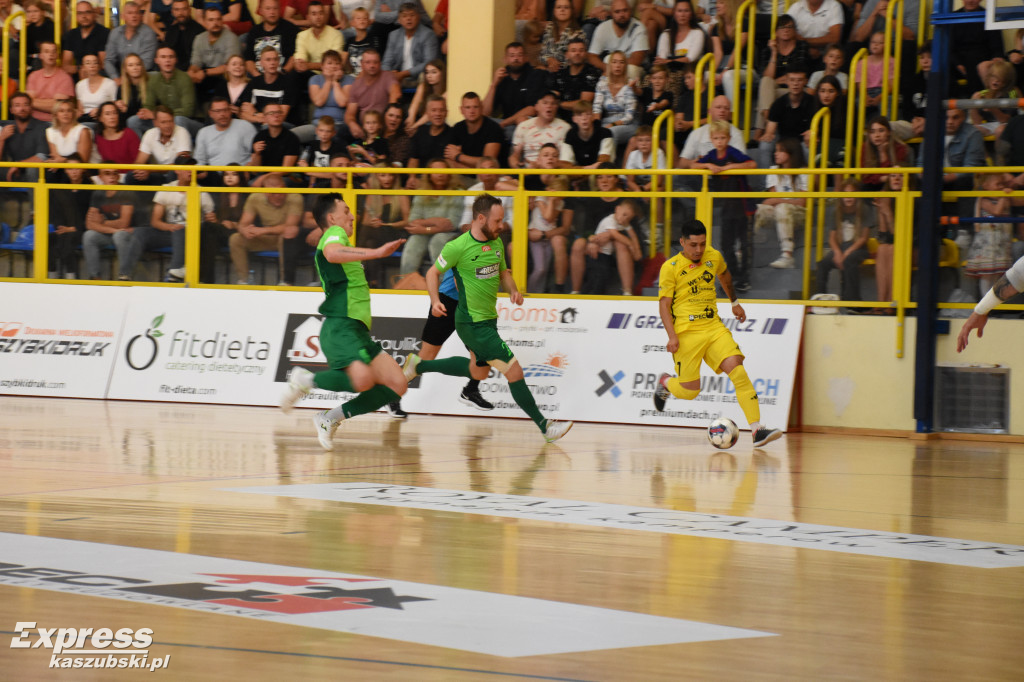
1000 291
338 253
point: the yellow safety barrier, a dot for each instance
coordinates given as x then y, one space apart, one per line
23 61
748 8
903 245
670 149
698 85
859 103
822 120
894 61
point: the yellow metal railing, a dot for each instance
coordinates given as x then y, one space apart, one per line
903 244
822 120
670 148
747 10
859 104
706 62
892 63
7 60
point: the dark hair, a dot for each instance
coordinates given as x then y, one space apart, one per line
834 82
786 19
218 99
926 48
549 145
673 26
577 39
408 7
471 95
515 43
20 93
795 149
74 157
693 228
185 159
483 204
119 126
322 205
329 54
798 67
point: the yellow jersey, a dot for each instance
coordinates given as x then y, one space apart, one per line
691 286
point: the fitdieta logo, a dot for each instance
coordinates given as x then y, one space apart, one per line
91 647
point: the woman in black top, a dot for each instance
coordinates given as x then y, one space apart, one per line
68 208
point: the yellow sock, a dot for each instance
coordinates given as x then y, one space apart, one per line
745 394
675 387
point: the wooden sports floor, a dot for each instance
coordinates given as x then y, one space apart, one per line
122 475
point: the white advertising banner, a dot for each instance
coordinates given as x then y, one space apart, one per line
59 340
592 360
202 345
599 360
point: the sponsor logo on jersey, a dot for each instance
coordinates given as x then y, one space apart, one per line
487 271
485 247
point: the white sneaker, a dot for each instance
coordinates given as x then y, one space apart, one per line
556 430
783 262
300 381
178 273
412 361
325 428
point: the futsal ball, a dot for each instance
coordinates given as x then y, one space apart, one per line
723 433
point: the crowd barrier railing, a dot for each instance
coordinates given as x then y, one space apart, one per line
22 62
905 258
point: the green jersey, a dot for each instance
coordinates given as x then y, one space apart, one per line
478 266
348 294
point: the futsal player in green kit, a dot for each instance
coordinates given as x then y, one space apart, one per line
478 259
356 362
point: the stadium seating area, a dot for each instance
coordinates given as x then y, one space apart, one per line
306 87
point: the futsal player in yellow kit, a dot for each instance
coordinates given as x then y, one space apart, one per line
695 332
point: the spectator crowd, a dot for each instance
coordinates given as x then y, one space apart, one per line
305 85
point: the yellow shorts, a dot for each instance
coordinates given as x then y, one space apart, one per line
711 345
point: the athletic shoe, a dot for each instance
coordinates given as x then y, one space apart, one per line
300 380
661 393
177 273
412 361
783 262
743 286
396 411
764 435
556 430
325 428
472 398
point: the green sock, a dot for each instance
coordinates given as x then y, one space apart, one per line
368 401
524 398
453 367
333 380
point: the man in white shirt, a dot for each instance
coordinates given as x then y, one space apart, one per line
621 32
161 143
698 144
167 224
534 133
819 22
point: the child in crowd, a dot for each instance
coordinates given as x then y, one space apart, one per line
372 148
875 68
547 236
833 61
613 243
324 152
850 223
733 210
989 255
1000 82
655 98
683 108
785 212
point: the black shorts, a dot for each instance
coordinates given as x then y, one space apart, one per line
437 329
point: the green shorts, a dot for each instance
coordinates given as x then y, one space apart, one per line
482 339
344 341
